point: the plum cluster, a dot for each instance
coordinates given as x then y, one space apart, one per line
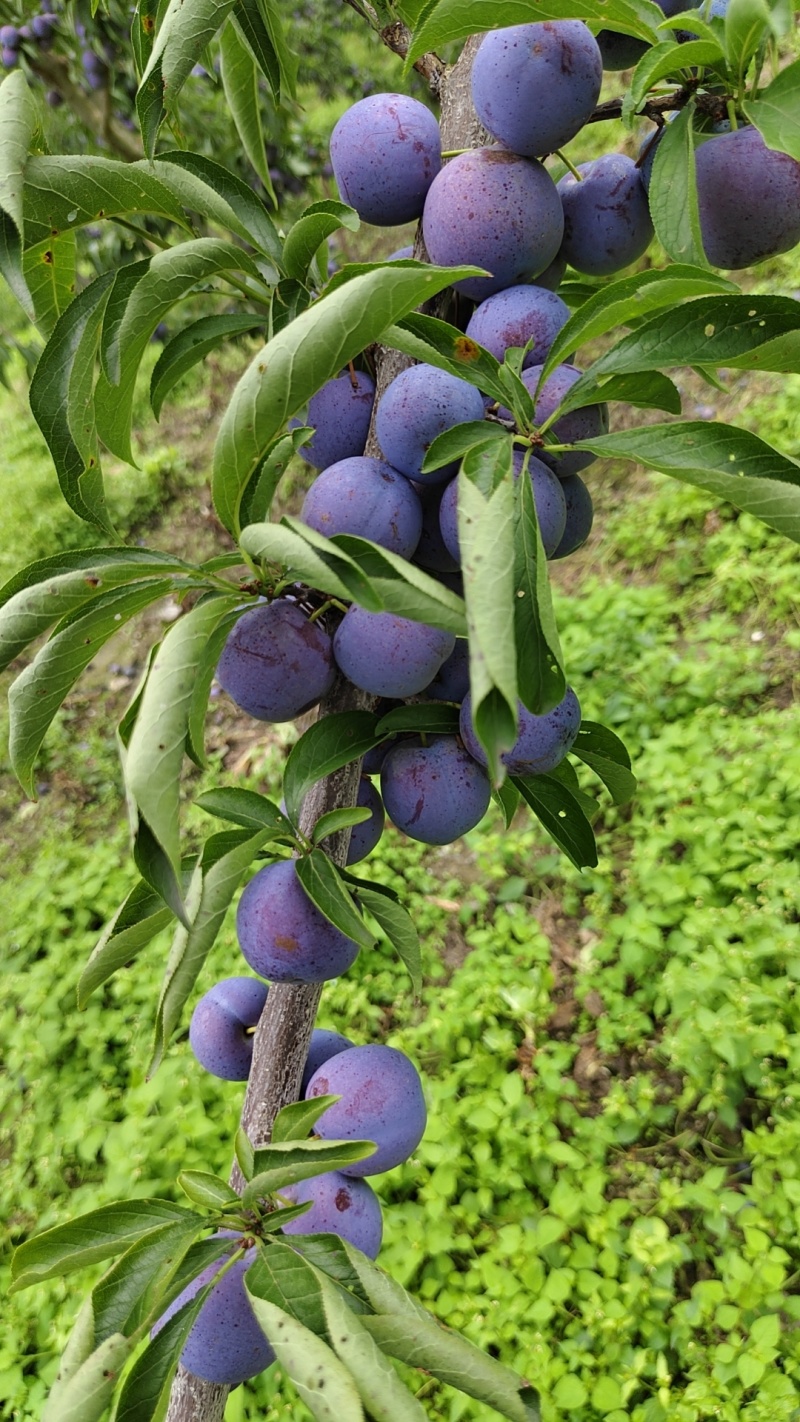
38 33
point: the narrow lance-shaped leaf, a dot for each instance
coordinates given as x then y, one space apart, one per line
287 1281
667 58
401 587
540 664
60 194
437 343
310 230
244 807
298 361
184 33
747 27
322 1381
486 538
327 745
86 1396
207 1190
277 1166
50 270
731 463
250 23
312 558
98 1235
336 820
386 1398
294 1122
240 82
562 816
204 186
327 890
398 926
747 332
776 111
139 918
673 192
18 120
190 346
116 1299
257 499
605 754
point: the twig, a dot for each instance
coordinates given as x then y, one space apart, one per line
397 38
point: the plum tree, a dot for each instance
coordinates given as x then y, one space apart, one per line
283 935
534 86
607 222
491 208
551 508
339 1205
367 497
386 151
381 1101
220 1032
436 792
276 662
421 403
388 655
749 199
516 316
324 1045
580 516
226 1344
339 414
542 741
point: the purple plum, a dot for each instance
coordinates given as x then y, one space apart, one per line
451 682
276 663
386 151
225 1343
552 276
373 759
580 516
382 1101
542 741
585 423
283 936
749 198
493 209
516 316
607 223
220 1032
430 552
367 497
434 793
340 1205
421 403
340 414
324 1045
534 86
389 655
364 837
547 495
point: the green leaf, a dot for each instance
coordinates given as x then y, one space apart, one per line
304 239
323 1383
457 442
143 32
244 807
300 359
80 1346
294 1122
190 346
279 1165
330 1256
245 1155
566 775
430 717
86 1396
203 186
383 1394
170 276
52 588
148 1380
507 798
153 864
65 192
208 1190
605 754
747 26
668 58
116 1300
272 14
400 587
327 746
673 192
240 82
776 111
398 926
443 21
730 463
257 498
745 332
326 889
50 271
18 122
61 398
330 571
287 1281
486 538
135 924
540 663
204 675
184 33
562 816
39 690
437 343
249 21
336 820
423 1343
223 861
98 1235
626 301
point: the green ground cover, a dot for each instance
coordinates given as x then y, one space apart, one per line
608 1192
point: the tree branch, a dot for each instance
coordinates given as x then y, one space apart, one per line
397 38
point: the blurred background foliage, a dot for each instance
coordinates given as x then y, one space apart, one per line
608 1193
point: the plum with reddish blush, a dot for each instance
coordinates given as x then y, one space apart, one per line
339 1205
520 314
421 403
284 936
534 86
324 1045
381 1101
434 793
386 151
276 663
366 497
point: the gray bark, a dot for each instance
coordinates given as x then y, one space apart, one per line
284 1031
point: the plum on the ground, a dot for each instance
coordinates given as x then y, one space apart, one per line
386 151
434 793
586 423
518 315
364 837
340 1205
749 197
534 86
580 516
493 209
547 495
284 936
542 741
421 403
382 1101
451 682
366 497
389 655
276 663
339 414
225 1343
607 223
220 1032
324 1045
430 552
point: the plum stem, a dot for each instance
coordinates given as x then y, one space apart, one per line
732 115
455 152
577 175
